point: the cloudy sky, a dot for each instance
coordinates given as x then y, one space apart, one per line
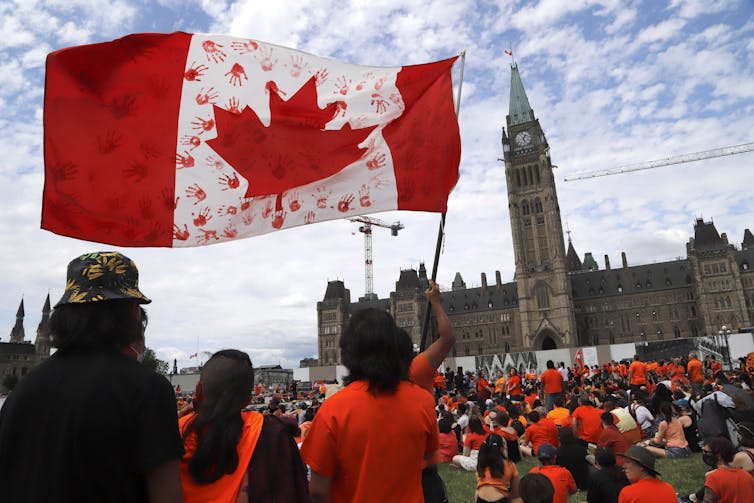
613 82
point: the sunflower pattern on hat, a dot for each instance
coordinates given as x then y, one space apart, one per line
100 276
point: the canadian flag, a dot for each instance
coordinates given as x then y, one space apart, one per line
579 358
184 140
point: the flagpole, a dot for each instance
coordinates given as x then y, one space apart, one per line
441 230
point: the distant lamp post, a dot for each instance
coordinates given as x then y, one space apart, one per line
724 332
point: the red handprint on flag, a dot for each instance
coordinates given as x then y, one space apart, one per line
272 87
376 162
202 125
244 47
227 210
206 97
341 85
321 76
364 200
297 66
109 143
196 192
186 161
235 74
194 141
202 217
322 194
279 219
267 211
233 105
228 183
266 61
214 162
230 231
309 217
379 103
195 71
206 236
293 202
345 203
180 234
136 170
214 51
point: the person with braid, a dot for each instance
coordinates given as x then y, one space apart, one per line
233 455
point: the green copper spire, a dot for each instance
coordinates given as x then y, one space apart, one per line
519 110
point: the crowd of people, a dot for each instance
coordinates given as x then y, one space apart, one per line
92 424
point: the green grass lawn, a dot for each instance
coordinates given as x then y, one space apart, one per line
686 476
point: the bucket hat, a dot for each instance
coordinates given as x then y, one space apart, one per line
641 456
101 276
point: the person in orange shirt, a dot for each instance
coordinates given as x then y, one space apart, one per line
497 478
696 375
561 478
725 484
514 386
357 448
587 424
540 431
622 370
645 487
471 445
229 450
559 414
552 384
500 384
637 375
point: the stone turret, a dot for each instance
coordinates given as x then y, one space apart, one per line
42 342
17 333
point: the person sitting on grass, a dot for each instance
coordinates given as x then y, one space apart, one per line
471 445
587 424
744 458
572 456
561 479
644 487
448 440
611 437
540 430
725 483
497 478
670 441
536 488
607 482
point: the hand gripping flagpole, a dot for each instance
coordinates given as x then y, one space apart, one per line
441 230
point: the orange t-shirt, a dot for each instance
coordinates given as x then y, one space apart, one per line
562 481
420 373
474 440
590 423
694 368
731 485
502 484
638 371
560 416
371 454
500 385
552 381
540 432
514 384
622 370
649 489
224 489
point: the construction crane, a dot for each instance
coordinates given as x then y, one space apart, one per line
667 161
366 229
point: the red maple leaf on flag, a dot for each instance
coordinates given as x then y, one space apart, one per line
294 149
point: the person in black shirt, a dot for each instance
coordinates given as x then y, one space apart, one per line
605 485
90 423
572 456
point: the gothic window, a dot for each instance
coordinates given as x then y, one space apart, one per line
694 330
677 332
531 175
611 337
722 268
643 335
523 173
660 335
707 269
525 208
537 205
654 314
507 348
745 265
693 312
536 173
620 288
518 178
543 299
727 302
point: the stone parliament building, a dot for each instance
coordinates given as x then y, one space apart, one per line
556 299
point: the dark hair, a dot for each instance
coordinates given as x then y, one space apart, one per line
536 488
445 424
566 436
103 324
226 384
502 418
666 409
606 459
475 425
462 408
558 401
550 364
534 416
721 448
491 456
374 349
607 418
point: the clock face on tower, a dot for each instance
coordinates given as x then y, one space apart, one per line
523 138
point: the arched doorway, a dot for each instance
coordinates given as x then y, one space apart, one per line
548 343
